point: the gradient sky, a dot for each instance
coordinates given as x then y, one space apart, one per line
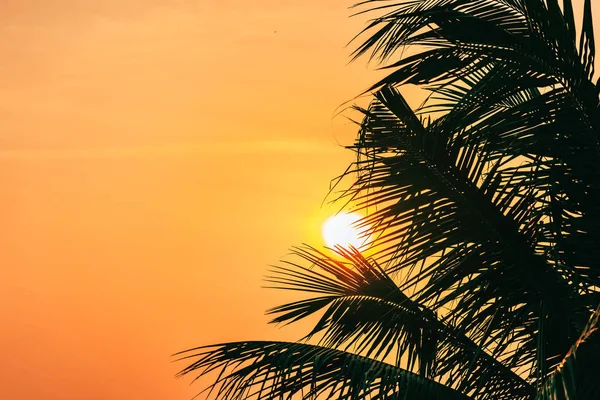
155 157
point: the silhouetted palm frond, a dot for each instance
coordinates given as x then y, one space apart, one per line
513 85
364 310
576 376
476 221
483 205
273 370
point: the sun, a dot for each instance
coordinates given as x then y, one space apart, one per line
341 230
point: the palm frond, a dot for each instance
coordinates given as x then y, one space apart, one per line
276 370
534 36
484 208
364 309
443 193
574 378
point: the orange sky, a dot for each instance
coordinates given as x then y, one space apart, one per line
155 157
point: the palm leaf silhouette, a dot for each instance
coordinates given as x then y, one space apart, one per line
283 369
484 208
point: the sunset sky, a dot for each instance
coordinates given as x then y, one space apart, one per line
155 157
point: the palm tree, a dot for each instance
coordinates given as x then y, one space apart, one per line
483 280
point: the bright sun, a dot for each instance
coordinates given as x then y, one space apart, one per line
340 230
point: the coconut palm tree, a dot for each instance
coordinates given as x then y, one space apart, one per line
482 279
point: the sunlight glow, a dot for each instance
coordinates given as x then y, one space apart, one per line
340 230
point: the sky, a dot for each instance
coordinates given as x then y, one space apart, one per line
155 157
